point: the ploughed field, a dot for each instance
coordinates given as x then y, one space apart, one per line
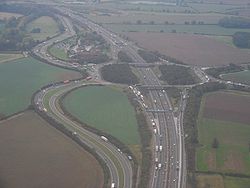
19 79
224 116
34 154
105 108
191 49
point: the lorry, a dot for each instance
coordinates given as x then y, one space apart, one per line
89 78
160 148
156 148
104 138
112 185
159 165
66 81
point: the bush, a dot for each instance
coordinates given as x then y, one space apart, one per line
177 75
241 39
148 56
124 57
234 22
119 73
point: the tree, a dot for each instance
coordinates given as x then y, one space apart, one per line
215 143
193 22
138 22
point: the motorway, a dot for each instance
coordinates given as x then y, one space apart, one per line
170 168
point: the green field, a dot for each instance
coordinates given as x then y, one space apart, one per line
231 182
194 29
47 25
158 18
58 50
242 77
212 7
58 53
134 6
21 78
218 181
232 155
9 57
107 109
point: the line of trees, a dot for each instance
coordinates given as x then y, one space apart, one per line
146 137
190 118
234 22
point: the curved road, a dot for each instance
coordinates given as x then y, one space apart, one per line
119 165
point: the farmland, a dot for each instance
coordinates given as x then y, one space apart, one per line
215 181
191 49
242 77
19 79
47 25
33 154
6 15
178 28
157 18
143 7
218 181
222 111
9 57
106 109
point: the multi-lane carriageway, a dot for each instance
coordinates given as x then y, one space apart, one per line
169 134
168 162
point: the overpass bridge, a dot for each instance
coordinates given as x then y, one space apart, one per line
162 87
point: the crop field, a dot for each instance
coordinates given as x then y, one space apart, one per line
231 182
34 154
9 57
233 2
144 7
106 109
7 15
191 49
47 25
19 79
178 28
157 18
217 181
212 7
224 116
243 77
213 181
